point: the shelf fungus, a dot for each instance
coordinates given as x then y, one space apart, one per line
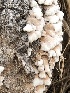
47 27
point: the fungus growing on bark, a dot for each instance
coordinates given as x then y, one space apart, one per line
43 23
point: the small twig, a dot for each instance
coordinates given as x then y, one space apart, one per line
66 47
61 80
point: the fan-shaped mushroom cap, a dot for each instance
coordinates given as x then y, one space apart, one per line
58 26
60 14
48 2
40 89
42 74
52 19
33 3
51 53
41 1
37 12
48 26
32 36
51 10
33 20
37 81
29 28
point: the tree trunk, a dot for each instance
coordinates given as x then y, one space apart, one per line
24 27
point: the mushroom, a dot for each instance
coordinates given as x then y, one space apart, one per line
51 10
47 80
48 26
56 58
60 33
33 3
29 28
60 14
37 12
37 81
40 62
40 89
42 74
52 19
41 68
41 1
51 53
46 42
32 36
57 26
48 2
33 20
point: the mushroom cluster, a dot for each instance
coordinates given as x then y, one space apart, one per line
45 23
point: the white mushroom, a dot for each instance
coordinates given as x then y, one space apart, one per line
46 42
37 81
52 19
57 26
42 74
41 1
40 62
60 14
51 53
37 12
47 80
51 10
29 28
33 3
48 2
38 34
56 58
41 68
40 89
60 33
32 36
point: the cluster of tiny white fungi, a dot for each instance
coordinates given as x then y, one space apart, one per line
46 24
47 27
